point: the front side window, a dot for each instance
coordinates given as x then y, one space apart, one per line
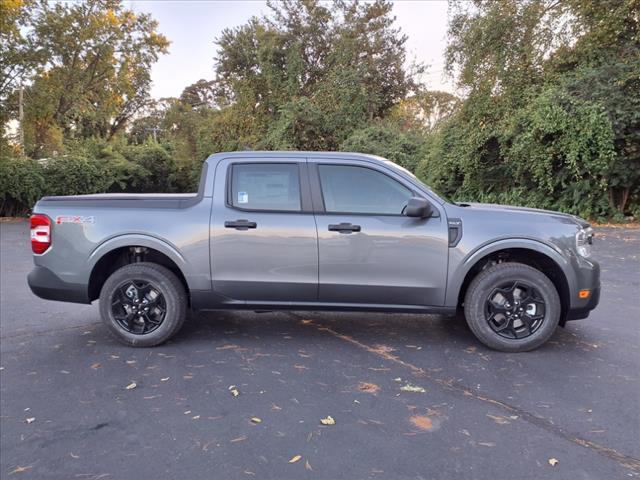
266 186
350 189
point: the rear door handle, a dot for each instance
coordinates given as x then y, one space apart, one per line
344 228
240 224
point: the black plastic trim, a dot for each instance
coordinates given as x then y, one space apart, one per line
455 231
205 300
583 312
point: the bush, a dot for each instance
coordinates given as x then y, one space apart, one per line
555 152
405 148
159 166
22 183
121 174
75 175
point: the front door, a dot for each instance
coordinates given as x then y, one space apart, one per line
369 252
263 234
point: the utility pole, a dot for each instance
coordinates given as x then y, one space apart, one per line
21 118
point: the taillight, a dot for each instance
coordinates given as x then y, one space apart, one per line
40 233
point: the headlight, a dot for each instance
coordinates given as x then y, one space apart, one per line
584 240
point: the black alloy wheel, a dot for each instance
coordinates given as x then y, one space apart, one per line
515 310
512 307
138 306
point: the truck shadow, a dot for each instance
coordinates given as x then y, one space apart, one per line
420 332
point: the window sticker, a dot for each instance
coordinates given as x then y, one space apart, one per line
243 197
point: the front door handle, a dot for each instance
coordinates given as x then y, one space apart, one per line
344 228
240 224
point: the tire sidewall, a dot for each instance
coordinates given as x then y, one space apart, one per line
486 282
161 278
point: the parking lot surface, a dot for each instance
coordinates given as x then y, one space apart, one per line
412 396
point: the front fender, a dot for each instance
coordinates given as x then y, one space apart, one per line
460 266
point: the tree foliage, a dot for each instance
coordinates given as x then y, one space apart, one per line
550 118
92 69
547 111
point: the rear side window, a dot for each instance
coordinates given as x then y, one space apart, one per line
349 189
266 186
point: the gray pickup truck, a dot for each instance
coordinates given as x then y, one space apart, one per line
313 231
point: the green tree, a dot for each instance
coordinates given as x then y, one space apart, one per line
95 76
550 116
309 75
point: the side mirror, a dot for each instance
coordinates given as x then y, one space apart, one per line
418 207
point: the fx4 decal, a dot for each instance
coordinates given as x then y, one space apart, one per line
74 219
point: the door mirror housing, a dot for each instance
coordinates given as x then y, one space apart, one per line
418 207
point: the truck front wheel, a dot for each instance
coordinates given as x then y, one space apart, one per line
512 307
143 304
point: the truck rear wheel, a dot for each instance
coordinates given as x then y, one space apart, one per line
512 307
143 304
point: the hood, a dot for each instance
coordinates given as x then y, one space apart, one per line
564 217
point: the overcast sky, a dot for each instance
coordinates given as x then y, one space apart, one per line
192 27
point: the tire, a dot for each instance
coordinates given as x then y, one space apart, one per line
153 285
509 329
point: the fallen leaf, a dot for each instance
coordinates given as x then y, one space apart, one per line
368 387
20 470
553 462
295 458
498 419
256 420
31 420
383 349
131 386
328 421
422 422
412 388
164 379
96 366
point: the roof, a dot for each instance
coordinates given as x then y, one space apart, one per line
298 153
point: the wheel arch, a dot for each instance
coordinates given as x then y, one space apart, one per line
124 250
529 252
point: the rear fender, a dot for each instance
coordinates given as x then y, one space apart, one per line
193 280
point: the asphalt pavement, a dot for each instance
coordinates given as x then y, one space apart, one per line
412 396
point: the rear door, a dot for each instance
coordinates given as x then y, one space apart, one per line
369 252
263 234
